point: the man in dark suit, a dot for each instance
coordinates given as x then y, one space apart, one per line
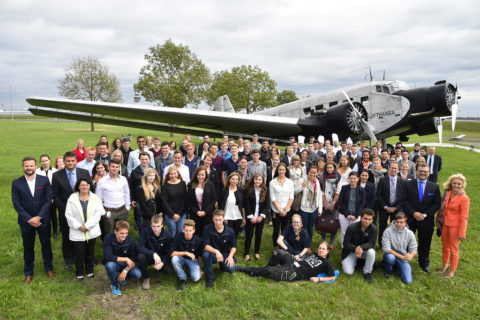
63 184
434 162
420 202
389 203
32 197
289 153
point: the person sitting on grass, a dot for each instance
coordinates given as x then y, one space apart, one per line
154 248
119 255
292 270
220 246
186 250
359 243
294 239
399 247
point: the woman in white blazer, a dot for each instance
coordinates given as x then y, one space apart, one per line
83 212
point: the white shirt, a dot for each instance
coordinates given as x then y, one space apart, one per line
184 172
281 194
113 193
31 184
232 212
86 165
49 173
134 162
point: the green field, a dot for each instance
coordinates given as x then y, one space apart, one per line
234 296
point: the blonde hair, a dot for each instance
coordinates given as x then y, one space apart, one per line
167 176
150 194
448 185
114 153
340 167
78 141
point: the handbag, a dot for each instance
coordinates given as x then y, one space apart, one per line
297 202
327 224
440 216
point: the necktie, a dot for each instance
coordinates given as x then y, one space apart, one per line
420 190
430 163
393 190
71 180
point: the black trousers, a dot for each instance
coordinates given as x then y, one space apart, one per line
236 225
279 223
84 256
425 233
250 229
67 246
200 223
285 271
145 261
28 235
53 218
383 223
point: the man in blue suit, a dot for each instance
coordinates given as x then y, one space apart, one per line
32 197
422 200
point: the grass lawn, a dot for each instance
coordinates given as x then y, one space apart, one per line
234 296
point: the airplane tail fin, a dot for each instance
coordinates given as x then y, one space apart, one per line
223 104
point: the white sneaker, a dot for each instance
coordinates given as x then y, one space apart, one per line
146 284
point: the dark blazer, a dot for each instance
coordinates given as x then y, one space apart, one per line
383 193
208 201
250 202
238 198
357 161
61 188
437 166
285 160
354 236
430 203
345 197
338 155
370 195
27 206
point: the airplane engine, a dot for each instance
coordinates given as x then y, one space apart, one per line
342 119
435 101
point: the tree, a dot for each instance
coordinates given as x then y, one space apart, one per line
88 79
173 76
286 96
248 88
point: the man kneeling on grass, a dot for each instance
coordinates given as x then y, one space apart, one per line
359 243
186 250
154 248
119 255
220 246
399 247
292 270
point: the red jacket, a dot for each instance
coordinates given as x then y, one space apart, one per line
455 213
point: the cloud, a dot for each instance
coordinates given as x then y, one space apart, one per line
307 46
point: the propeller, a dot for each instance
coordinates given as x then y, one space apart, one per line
440 129
454 116
367 127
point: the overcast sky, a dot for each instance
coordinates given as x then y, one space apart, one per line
306 46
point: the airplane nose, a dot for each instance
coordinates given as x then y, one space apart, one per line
434 101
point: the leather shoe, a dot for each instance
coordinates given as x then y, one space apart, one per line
28 279
426 269
51 274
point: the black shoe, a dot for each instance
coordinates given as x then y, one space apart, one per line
209 283
387 275
367 277
69 264
181 285
426 269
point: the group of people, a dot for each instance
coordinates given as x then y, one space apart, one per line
210 194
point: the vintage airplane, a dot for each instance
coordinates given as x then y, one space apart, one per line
371 110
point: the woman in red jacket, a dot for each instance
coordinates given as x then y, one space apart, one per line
455 216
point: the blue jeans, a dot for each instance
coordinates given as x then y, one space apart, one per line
209 259
308 221
404 267
113 268
172 225
178 262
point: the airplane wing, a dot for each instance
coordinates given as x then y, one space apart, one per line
160 118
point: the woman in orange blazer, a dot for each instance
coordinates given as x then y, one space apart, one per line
455 216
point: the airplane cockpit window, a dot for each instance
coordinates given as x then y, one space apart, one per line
319 107
307 111
379 89
331 104
385 89
363 99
